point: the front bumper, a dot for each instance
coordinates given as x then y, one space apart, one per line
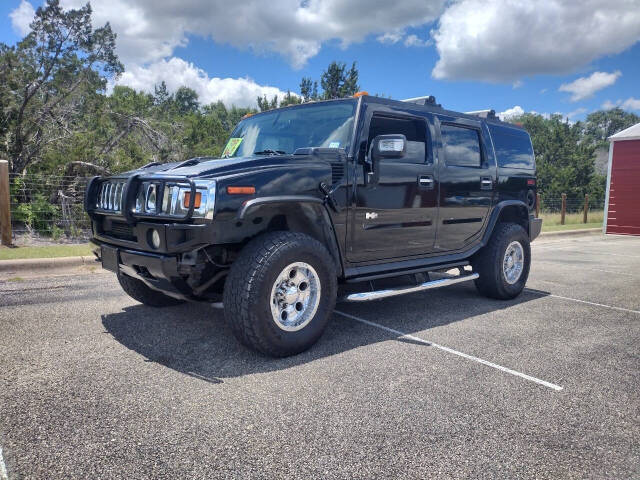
174 237
535 225
157 271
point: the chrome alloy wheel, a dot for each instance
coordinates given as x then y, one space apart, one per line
295 296
513 262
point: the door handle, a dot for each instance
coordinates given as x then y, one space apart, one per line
426 181
486 183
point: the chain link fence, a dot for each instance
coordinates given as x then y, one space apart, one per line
49 209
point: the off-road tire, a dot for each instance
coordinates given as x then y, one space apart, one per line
137 290
248 288
488 263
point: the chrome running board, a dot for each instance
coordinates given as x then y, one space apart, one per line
392 292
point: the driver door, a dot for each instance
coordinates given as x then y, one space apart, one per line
397 215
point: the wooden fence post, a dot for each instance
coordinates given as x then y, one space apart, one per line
586 208
537 205
5 207
564 208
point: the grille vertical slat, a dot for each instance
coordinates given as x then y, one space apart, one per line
110 196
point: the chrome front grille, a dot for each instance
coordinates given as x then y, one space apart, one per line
110 196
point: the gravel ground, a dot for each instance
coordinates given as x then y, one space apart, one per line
94 385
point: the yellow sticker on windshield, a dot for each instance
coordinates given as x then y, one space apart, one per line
232 146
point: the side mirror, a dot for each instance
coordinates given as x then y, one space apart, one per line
389 146
385 146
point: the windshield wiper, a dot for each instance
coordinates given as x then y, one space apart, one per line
270 152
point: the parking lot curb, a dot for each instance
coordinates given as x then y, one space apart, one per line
571 233
34 264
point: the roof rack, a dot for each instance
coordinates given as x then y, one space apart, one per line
427 100
488 114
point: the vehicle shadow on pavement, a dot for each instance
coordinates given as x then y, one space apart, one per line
195 340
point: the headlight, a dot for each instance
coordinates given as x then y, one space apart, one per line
176 198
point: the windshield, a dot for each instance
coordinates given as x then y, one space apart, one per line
327 125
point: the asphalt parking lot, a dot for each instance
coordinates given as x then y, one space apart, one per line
443 383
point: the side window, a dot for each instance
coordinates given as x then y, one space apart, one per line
461 146
414 129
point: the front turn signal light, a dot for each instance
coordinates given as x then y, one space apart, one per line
187 200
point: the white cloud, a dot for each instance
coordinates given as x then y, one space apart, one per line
241 92
630 103
149 30
415 41
517 84
510 113
504 40
390 38
21 17
585 87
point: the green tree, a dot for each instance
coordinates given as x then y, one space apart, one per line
305 88
564 162
290 99
48 79
161 96
602 124
332 80
186 100
350 83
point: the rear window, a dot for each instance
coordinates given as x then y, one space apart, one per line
513 148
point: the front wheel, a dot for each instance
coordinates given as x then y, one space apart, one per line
280 293
503 265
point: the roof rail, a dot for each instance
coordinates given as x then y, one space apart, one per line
426 100
488 114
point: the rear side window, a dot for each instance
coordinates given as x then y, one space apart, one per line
461 146
513 147
413 128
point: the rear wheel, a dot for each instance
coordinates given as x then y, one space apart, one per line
503 265
137 290
280 293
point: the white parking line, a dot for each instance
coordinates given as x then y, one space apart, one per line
587 268
451 350
545 294
3 468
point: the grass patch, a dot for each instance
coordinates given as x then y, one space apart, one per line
52 251
573 226
575 219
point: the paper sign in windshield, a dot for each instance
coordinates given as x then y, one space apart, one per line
232 146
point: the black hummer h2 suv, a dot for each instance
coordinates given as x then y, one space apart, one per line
318 198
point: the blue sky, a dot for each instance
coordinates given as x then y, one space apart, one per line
561 56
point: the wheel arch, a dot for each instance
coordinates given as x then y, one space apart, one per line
507 211
306 215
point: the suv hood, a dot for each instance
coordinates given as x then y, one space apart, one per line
217 167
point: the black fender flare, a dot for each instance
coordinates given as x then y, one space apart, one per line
328 228
495 216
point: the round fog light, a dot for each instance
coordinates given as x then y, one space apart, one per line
155 239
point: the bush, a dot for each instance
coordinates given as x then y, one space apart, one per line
38 215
